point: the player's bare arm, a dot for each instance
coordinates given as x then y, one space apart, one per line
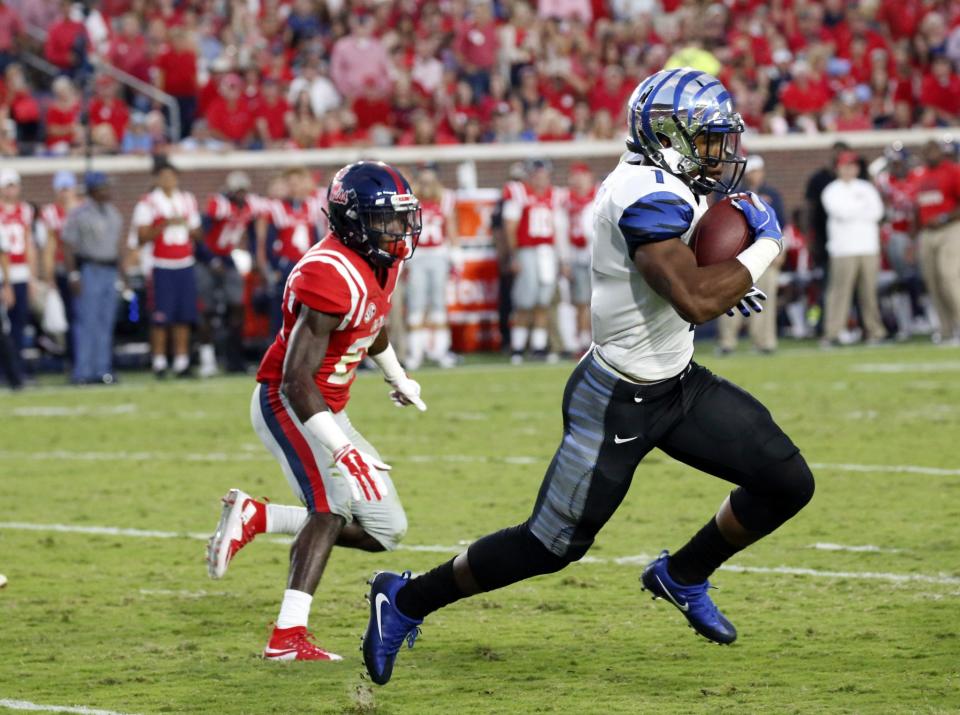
305 353
698 293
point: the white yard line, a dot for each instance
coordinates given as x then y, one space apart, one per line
37 707
899 367
73 411
635 560
863 548
887 469
248 455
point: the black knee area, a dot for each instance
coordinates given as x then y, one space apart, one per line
776 494
510 555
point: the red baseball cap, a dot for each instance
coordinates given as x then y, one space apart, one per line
848 157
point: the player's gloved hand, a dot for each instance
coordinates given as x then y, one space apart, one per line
760 217
362 472
750 302
406 391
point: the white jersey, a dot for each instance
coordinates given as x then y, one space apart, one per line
635 331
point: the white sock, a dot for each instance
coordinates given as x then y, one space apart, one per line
797 315
159 363
518 338
295 609
441 343
208 358
285 519
538 339
181 362
416 346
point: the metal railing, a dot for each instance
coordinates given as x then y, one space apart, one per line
39 35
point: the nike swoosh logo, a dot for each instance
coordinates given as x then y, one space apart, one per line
381 599
275 651
685 607
620 440
637 399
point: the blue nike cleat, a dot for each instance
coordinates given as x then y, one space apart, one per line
692 601
388 628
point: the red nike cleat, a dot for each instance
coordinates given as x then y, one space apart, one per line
242 518
295 644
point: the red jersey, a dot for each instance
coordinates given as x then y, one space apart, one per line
335 280
937 190
15 221
298 225
173 247
228 223
114 113
537 214
53 217
899 199
433 233
579 210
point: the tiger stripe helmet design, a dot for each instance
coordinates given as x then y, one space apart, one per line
666 115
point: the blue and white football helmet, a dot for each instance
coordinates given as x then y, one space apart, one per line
683 121
372 209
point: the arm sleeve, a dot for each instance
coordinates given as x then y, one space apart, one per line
836 202
656 217
142 215
323 285
71 229
193 217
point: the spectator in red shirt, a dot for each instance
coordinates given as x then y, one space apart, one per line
23 107
805 94
229 116
128 49
612 92
476 45
371 107
271 115
108 115
177 68
63 118
11 30
940 91
67 41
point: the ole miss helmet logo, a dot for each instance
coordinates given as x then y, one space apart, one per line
337 194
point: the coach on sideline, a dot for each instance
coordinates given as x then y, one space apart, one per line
92 253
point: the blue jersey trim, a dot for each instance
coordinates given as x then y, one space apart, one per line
656 217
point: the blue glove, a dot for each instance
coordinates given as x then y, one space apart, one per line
760 216
750 302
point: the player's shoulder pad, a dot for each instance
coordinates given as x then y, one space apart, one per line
655 206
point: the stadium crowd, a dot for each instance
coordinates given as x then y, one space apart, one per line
875 252
304 73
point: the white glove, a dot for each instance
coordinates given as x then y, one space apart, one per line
406 391
362 472
750 302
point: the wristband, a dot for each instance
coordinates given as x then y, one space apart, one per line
759 255
389 365
327 431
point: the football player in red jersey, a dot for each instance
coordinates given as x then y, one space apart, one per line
429 271
227 220
579 205
294 225
535 224
334 307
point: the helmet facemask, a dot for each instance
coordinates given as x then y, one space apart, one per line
392 231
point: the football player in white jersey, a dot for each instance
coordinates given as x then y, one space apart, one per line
638 388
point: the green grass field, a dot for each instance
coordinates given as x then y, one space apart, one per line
129 622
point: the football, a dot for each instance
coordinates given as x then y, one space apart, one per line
720 235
